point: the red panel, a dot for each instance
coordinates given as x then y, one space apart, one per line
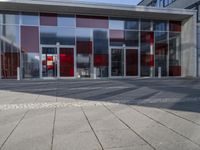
9 64
84 47
147 37
132 62
175 26
92 21
161 49
48 19
100 60
29 39
66 62
117 35
174 70
147 60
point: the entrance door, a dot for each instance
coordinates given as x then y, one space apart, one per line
57 62
84 65
49 62
124 62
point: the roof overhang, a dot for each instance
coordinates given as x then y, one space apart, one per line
113 10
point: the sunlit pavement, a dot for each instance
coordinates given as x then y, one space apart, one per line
129 114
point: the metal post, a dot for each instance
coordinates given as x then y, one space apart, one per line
18 73
159 72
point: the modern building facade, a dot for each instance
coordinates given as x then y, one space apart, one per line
66 39
186 4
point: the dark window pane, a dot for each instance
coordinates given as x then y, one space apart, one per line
92 21
117 37
66 20
48 19
31 65
117 62
146 25
52 35
160 26
10 59
30 19
29 44
175 26
131 38
132 62
132 24
100 60
100 42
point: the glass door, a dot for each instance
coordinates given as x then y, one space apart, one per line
66 62
49 62
117 62
124 62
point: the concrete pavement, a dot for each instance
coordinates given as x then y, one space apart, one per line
148 114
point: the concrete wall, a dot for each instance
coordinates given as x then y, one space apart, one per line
189 47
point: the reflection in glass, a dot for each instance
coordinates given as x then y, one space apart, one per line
52 35
49 62
174 54
117 62
116 24
11 33
160 25
66 20
101 52
117 37
30 19
131 24
146 25
31 65
161 52
147 53
84 65
131 38
10 18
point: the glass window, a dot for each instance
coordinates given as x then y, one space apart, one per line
30 19
131 38
161 53
48 19
160 25
84 41
198 13
175 26
117 37
29 44
52 35
132 24
66 20
92 21
146 25
100 42
66 36
175 54
31 65
116 24
10 18
11 33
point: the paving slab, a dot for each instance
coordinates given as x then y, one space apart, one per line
33 133
179 125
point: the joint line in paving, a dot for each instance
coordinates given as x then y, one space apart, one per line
16 126
92 128
166 127
180 117
130 128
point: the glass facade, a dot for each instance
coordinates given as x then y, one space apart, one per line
49 45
